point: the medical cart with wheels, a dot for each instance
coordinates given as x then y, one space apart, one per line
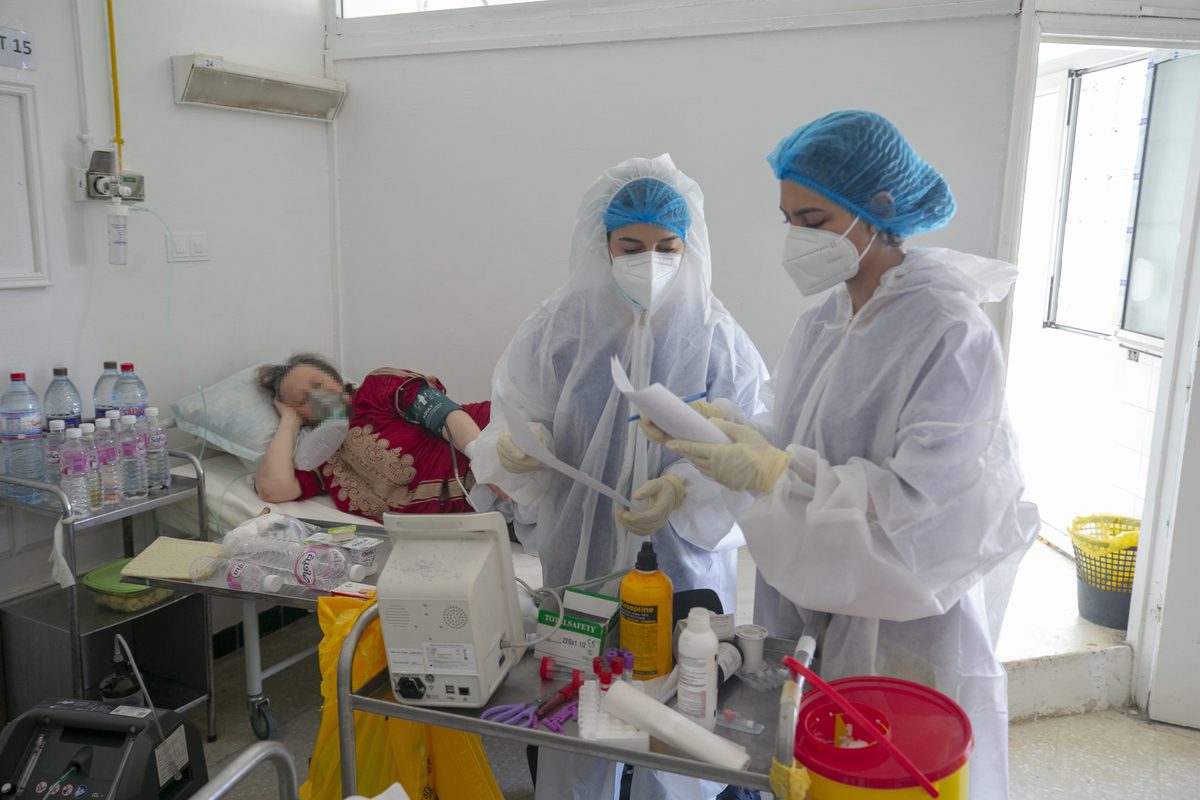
59 642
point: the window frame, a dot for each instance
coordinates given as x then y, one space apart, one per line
1074 81
37 276
566 22
1137 340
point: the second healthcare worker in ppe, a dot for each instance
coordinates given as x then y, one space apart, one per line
638 289
887 475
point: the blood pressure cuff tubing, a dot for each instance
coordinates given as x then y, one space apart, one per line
429 409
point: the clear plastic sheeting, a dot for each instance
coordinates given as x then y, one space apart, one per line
556 372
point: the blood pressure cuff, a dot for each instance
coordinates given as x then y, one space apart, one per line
429 409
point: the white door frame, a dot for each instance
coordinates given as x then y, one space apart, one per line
1165 636
1163 625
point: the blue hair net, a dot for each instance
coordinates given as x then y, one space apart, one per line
860 161
651 201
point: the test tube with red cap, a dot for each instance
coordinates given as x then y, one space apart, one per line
550 670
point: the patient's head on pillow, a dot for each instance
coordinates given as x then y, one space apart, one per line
292 382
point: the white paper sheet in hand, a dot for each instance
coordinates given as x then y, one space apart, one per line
659 405
525 439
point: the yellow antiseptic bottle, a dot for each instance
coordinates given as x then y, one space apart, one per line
646 597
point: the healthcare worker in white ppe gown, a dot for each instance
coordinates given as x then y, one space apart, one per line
886 517
638 289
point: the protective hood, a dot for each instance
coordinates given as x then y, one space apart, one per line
556 371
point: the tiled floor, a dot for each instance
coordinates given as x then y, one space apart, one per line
1110 754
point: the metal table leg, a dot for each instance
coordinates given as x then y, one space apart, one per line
202 517
262 718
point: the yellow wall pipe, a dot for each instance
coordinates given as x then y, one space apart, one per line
116 84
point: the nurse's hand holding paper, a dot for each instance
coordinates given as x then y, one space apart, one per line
662 495
719 409
750 463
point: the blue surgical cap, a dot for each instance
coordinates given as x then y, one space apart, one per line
860 161
651 201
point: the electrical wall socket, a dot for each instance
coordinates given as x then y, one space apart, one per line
187 247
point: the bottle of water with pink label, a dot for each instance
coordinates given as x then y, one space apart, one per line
244 576
323 567
89 444
52 450
108 460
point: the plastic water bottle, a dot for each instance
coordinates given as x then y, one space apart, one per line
324 567
62 401
133 459
109 461
21 436
237 574
51 450
312 566
129 393
158 463
102 395
74 471
89 444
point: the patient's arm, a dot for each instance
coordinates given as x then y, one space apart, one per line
462 429
275 480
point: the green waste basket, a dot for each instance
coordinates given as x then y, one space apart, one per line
1105 548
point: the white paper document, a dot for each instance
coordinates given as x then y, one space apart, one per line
525 439
659 405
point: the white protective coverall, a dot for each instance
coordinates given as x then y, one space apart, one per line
556 372
898 512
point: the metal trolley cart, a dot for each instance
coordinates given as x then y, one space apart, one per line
241 765
523 684
262 719
68 620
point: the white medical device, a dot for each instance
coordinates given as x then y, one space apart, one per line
447 601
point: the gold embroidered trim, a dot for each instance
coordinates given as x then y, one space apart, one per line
373 478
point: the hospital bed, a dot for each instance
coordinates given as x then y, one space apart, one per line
232 500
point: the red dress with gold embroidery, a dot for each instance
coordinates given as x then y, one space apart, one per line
388 463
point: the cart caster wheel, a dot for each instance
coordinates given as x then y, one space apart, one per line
212 738
264 723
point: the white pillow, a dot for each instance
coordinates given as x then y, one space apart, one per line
233 415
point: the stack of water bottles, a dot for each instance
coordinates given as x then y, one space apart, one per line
123 455
269 552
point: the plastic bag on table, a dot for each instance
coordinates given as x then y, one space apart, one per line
429 762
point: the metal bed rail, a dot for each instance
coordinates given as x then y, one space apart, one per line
245 762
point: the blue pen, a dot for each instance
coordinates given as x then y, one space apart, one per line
688 399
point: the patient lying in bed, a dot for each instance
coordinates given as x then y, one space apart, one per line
391 458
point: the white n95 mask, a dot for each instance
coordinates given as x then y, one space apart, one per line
643 278
818 260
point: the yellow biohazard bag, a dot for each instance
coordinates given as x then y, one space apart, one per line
431 763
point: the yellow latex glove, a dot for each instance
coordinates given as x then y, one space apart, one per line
513 458
665 494
749 463
790 782
658 436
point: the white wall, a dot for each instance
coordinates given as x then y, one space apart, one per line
258 185
459 173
